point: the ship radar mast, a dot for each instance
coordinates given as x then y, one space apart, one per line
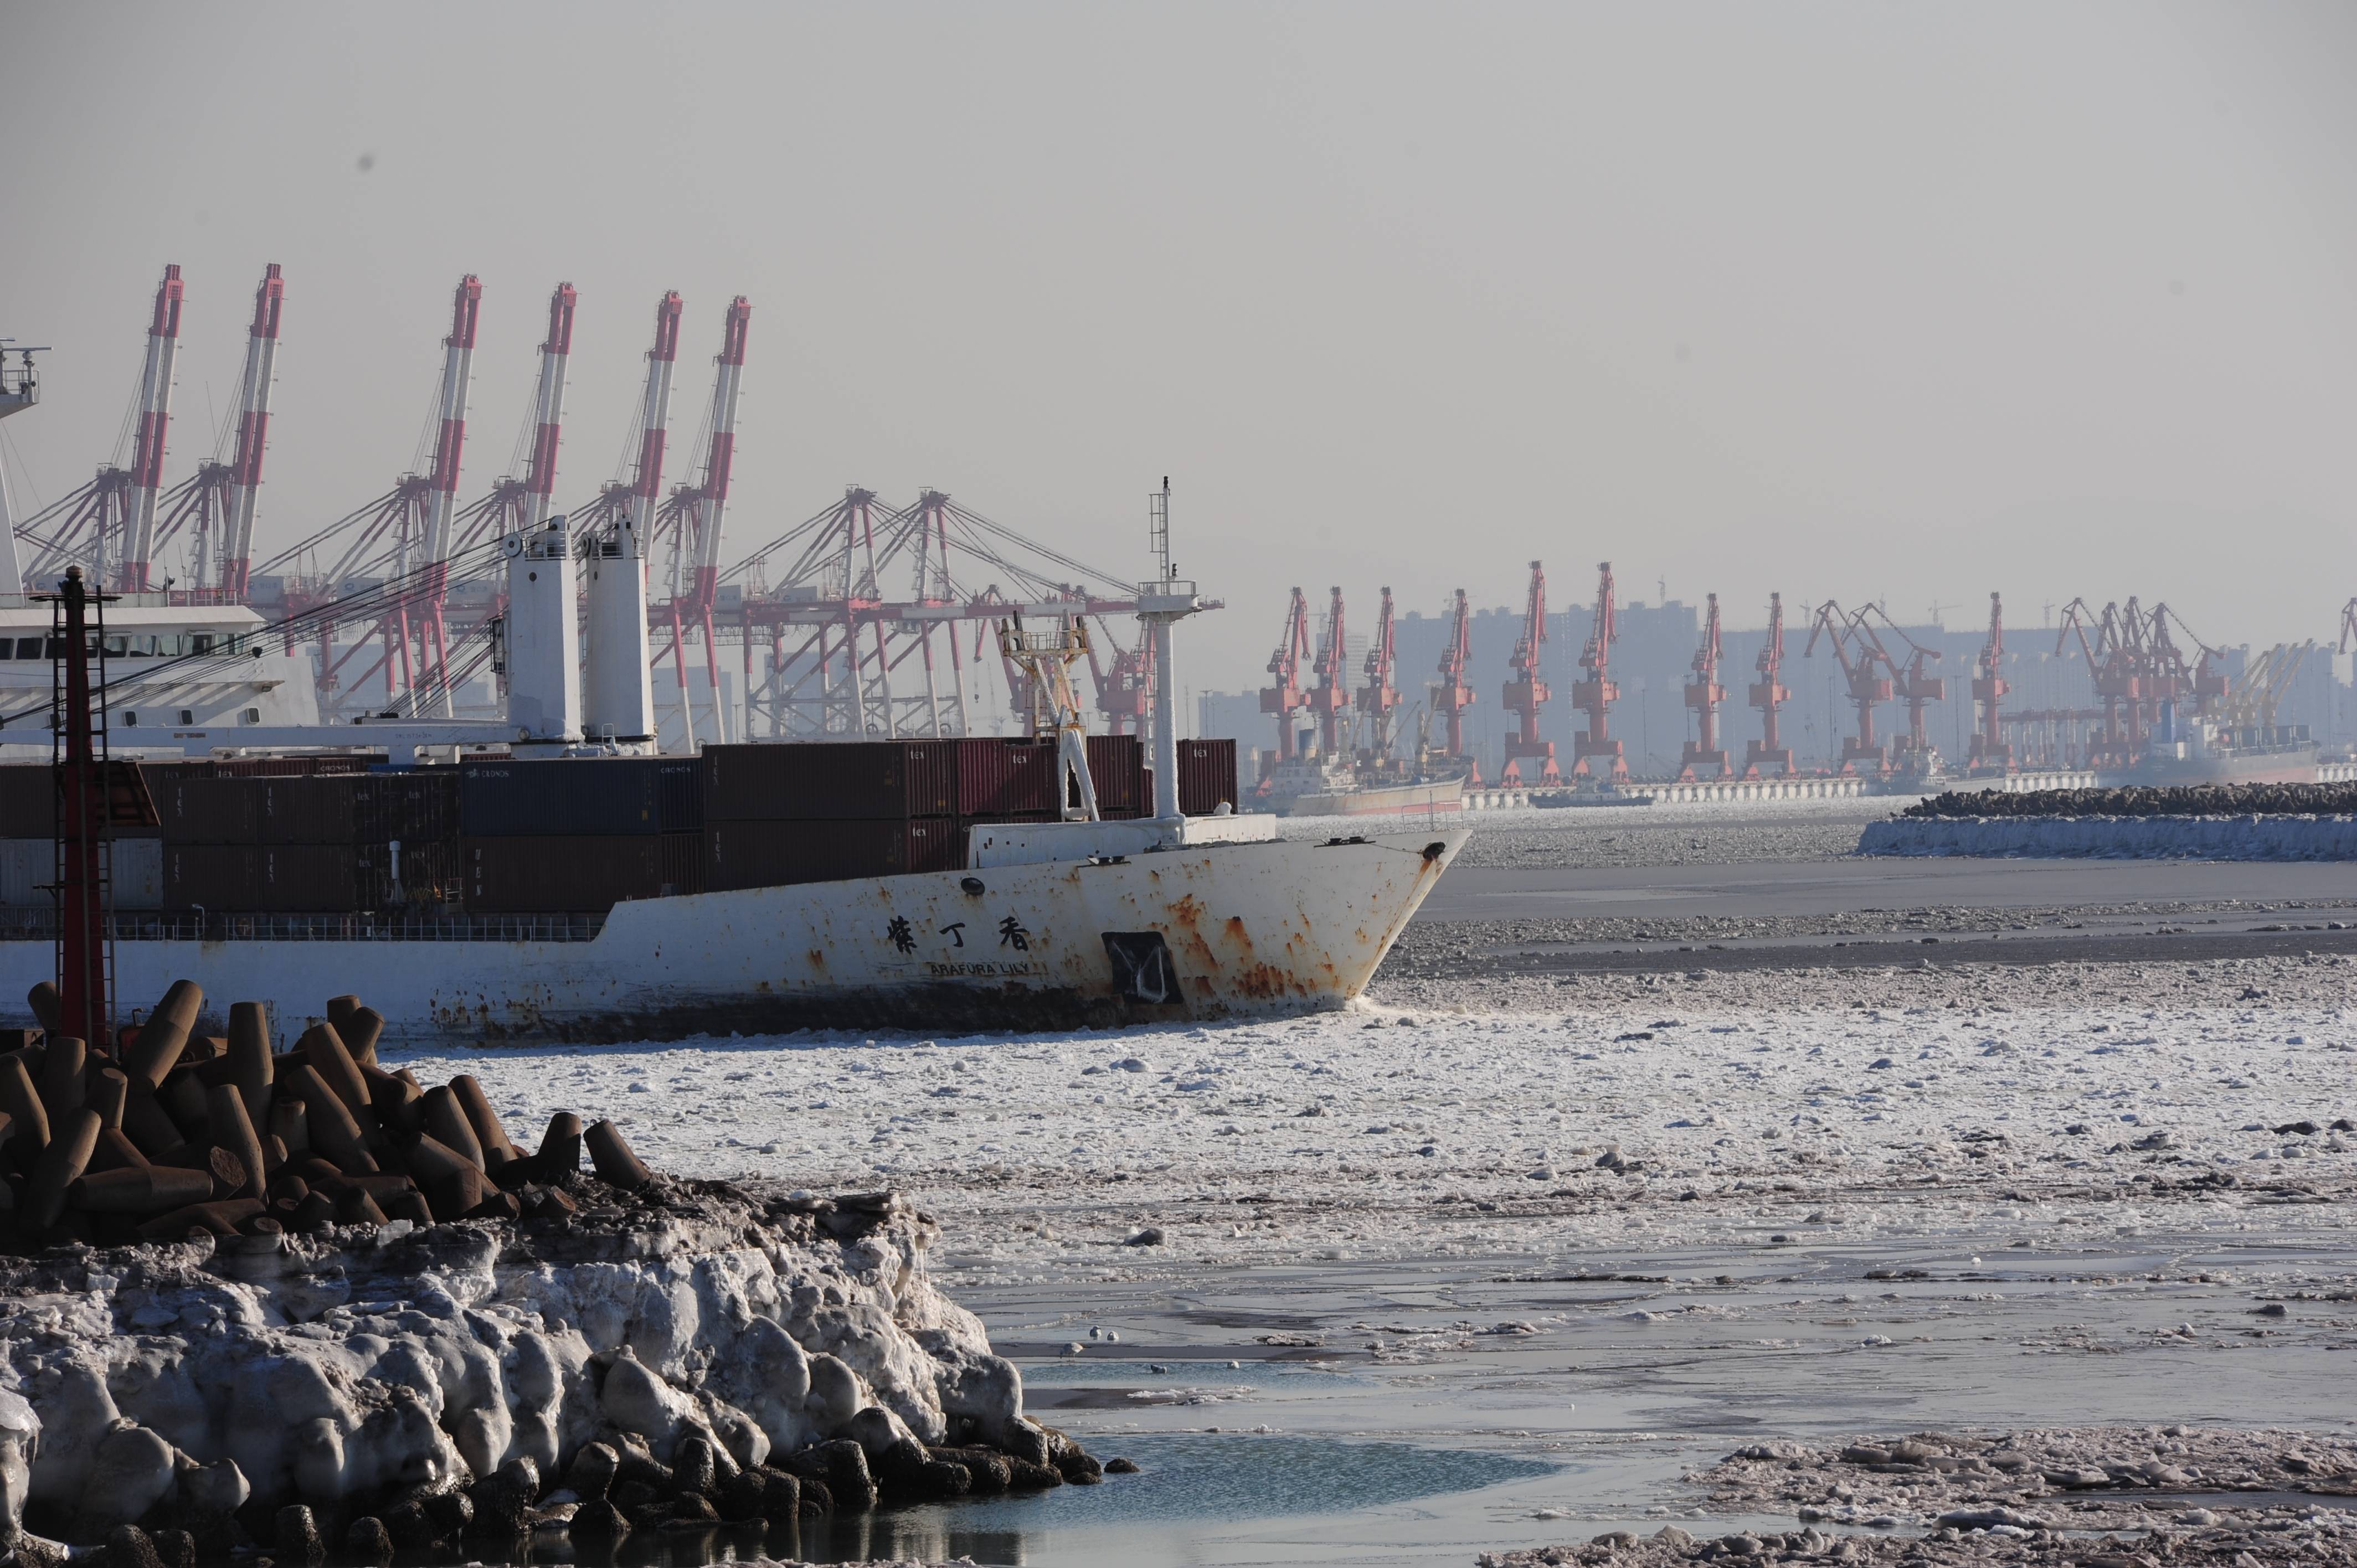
1161 604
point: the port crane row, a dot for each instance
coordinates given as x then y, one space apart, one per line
2145 680
872 618
869 618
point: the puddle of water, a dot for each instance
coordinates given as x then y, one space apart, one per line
1181 1374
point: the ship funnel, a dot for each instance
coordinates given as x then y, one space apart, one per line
543 640
617 701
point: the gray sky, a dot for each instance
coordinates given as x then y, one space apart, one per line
1885 300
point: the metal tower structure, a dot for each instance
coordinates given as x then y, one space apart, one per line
1596 751
1769 693
1868 675
1527 693
1990 753
155 424
1286 697
688 528
1378 700
1453 692
1914 755
1704 693
1331 698
253 434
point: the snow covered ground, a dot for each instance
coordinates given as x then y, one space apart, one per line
2283 837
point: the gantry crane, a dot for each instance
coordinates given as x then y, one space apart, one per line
690 523
1594 751
1990 753
1526 694
1285 698
1704 693
1453 693
1331 698
1378 698
1769 693
1866 675
1913 756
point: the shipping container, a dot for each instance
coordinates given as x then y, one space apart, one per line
1207 776
831 781
1117 768
780 853
996 775
541 874
28 801
297 810
413 875
683 863
207 811
412 807
679 795
577 797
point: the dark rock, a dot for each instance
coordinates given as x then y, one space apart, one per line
691 1509
1025 1477
503 1500
816 1500
987 1471
841 1465
368 1542
407 1525
1120 1467
450 1513
128 1546
1070 1460
296 1537
593 1472
177 1548
599 1520
693 1470
2304 1129
739 1498
908 1473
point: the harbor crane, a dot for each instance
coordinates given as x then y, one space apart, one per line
1286 697
688 527
1991 752
1914 756
1867 676
1331 698
1452 694
1703 694
1594 751
1526 694
1769 693
1379 699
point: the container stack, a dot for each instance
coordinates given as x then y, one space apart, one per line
777 815
579 836
319 843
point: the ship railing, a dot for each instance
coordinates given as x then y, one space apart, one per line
148 926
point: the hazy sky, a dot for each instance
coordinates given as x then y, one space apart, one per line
1890 300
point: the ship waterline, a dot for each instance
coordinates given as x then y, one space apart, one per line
1199 931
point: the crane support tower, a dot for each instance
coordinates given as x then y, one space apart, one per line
1594 752
1991 752
1866 676
1378 698
1286 697
1769 693
1704 693
1526 694
1914 756
1453 693
252 432
1331 698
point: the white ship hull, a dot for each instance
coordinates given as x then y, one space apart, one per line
1247 928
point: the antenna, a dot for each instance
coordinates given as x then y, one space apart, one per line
1157 528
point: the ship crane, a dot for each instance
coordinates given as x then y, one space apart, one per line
1331 698
107 526
1286 697
1866 675
1991 753
215 505
1704 693
1378 698
1526 694
1769 693
1596 751
1915 757
1452 694
2348 623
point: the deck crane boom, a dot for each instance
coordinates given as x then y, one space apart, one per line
1527 693
154 423
1704 693
1991 752
1596 751
1331 698
1768 694
252 434
1378 698
1452 694
1866 676
1287 698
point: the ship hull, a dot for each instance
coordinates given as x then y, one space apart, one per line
2271 764
1240 929
1377 800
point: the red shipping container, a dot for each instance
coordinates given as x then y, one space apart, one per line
683 863
1207 776
997 775
544 874
250 879
316 810
833 781
215 878
779 854
209 811
1117 768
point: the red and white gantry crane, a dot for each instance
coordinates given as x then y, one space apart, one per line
690 524
1287 698
1378 698
1527 693
1769 693
1453 692
1331 698
1594 751
1991 752
1704 693
155 424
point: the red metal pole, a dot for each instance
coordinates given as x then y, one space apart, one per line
85 1009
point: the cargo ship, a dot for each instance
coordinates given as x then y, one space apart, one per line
1316 786
543 887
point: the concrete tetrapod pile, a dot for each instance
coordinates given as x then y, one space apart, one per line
290 1301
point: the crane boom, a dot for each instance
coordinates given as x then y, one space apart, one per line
154 423
654 417
1768 694
253 434
540 478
